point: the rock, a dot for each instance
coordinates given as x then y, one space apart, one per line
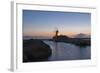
60 38
82 42
35 50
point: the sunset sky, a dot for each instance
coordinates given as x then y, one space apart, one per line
44 23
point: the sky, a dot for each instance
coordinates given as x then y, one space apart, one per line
44 23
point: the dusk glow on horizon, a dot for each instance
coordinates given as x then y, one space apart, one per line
44 23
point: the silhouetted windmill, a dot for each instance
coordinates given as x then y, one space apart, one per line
56 32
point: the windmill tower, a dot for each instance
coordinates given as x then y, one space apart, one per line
56 35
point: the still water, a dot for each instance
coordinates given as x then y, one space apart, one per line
66 51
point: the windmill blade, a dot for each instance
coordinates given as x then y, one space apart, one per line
56 28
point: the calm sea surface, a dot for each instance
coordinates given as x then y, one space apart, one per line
66 51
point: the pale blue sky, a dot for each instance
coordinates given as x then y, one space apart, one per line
43 23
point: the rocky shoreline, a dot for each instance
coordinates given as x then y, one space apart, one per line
35 50
82 42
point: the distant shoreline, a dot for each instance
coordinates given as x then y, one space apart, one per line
82 42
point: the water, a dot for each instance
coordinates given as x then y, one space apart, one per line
66 51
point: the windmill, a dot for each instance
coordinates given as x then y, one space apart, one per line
56 32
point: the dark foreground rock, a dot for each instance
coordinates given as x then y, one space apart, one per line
35 50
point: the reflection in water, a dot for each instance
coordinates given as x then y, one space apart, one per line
68 51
